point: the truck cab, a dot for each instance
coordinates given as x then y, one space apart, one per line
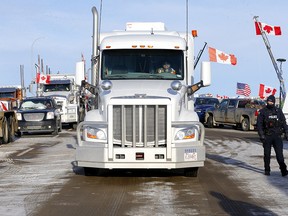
143 117
63 88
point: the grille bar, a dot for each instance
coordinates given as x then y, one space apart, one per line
140 125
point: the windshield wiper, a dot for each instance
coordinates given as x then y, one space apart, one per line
156 76
116 76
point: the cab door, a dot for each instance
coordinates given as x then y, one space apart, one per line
230 114
220 113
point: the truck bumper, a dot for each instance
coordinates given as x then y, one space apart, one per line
151 158
41 126
174 155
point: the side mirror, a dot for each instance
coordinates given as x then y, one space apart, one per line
30 88
206 73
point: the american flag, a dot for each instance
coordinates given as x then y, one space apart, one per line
243 89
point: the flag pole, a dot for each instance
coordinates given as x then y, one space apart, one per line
282 94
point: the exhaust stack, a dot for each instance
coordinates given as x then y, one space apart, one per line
95 42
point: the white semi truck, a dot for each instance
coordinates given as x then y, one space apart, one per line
142 119
65 88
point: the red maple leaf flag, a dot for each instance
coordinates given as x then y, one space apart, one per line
42 78
265 91
268 29
221 57
3 107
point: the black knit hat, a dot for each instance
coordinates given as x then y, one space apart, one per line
271 98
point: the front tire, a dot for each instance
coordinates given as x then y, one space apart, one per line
11 129
245 124
5 131
210 122
89 171
191 172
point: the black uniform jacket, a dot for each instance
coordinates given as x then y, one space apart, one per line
271 121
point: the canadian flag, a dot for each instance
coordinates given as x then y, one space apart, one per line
42 78
3 107
221 97
268 29
221 57
265 91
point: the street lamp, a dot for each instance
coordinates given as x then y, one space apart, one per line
281 60
32 47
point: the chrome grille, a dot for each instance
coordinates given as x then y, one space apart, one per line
34 116
140 125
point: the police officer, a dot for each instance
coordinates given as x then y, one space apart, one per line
271 123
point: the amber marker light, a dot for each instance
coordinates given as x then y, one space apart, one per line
108 47
142 46
194 33
134 46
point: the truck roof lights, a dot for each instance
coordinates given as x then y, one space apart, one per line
194 33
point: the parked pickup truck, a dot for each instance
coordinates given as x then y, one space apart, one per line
238 112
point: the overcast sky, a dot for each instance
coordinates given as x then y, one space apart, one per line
59 31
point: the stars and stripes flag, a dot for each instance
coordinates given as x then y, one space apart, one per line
243 89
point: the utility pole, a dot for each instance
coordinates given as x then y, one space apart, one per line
281 60
278 72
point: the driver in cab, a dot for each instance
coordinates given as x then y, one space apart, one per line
166 69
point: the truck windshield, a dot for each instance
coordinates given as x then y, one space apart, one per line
56 87
7 94
142 64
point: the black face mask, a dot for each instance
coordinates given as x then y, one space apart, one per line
270 106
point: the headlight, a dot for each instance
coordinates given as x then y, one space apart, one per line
184 134
94 133
50 115
19 116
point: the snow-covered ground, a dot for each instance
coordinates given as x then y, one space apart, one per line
24 175
20 178
247 167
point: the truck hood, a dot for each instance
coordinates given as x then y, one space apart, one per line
57 94
151 88
204 107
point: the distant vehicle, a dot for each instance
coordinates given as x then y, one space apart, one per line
237 112
10 97
201 104
39 114
64 88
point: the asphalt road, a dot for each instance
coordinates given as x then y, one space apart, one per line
38 177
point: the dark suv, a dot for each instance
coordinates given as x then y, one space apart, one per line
39 114
201 104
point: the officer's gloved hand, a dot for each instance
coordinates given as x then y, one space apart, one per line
286 136
262 138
